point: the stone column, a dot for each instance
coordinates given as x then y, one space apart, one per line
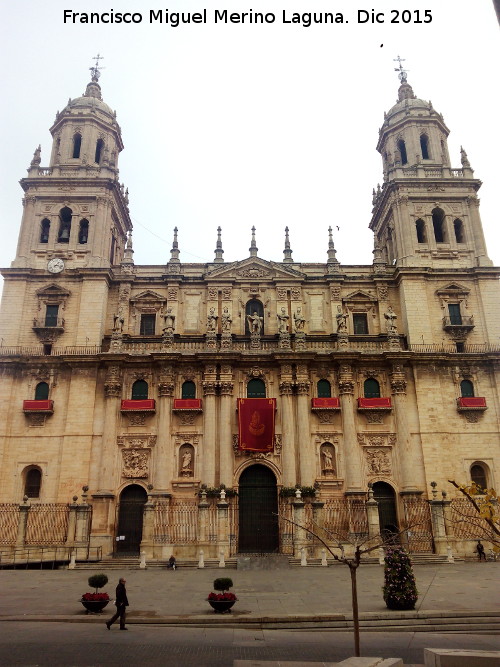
222 526
70 534
24 509
307 458
164 458
202 518
23 255
112 392
372 514
209 426
409 451
82 528
352 451
318 518
299 535
288 459
225 431
148 528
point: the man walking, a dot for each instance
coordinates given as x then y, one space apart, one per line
121 603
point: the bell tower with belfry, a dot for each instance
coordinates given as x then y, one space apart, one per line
427 212
74 227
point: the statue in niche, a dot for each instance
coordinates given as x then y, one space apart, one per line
169 318
255 323
212 321
282 321
118 322
341 318
299 320
226 321
186 462
391 318
327 460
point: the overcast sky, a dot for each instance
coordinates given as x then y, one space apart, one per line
240 125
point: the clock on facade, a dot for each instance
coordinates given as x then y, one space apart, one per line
55 265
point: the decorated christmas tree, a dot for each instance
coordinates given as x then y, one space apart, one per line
400 590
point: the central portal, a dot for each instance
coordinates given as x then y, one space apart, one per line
258 511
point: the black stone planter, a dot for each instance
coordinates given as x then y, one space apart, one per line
221 606
94 606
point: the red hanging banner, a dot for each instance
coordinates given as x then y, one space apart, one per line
256 424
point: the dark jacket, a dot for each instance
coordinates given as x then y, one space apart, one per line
121 595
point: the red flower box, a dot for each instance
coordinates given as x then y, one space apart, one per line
374 403
38 406
472 402
325 403
187 404
144 405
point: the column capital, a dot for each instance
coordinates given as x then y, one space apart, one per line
303 388
165 388
398 380
209 388
346 387
226 388
286 388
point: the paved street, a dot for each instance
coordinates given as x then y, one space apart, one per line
84 645
64 635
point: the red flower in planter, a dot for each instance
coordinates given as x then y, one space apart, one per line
93 597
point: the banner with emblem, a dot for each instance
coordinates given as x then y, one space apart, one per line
256 424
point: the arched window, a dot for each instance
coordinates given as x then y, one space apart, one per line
424 146
371 388
64 225
77 144
32 482
139 390
402 150
83 231
254 310
458 226
44 230
438 224
98 150
256 388
466 389
324 389
478 475
421 235
188 389
41 391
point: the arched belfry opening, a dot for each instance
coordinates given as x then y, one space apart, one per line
258 511
130 518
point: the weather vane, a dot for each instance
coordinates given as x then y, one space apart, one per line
96 73
401 72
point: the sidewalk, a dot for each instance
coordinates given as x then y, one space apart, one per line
306 596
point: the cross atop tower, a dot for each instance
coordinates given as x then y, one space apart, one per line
96 73
401 72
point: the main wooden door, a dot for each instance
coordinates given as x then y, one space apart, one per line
388 518
130 517
258 511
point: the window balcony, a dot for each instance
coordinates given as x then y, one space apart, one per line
463 323
138 405
183 404
325 404
44 406
471 403
380 403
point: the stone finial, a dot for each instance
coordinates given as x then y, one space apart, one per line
253 246
332 253
36 157
464 158
287 251
174 252
218 248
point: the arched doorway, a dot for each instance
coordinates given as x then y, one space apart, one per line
130 516
258 511
387 514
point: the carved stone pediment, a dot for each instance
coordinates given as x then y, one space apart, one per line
359 296
52 292
253 268
148 297
454 290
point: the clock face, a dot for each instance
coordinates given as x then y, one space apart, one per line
55 265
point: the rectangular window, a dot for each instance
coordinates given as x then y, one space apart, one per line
360 323
148 323
455 315
51 314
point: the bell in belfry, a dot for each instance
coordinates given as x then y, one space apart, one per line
64 235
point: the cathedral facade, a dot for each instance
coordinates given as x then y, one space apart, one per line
197 406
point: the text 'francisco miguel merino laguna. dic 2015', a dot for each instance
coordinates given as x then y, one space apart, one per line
224 16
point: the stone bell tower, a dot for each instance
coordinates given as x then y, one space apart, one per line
73 232
75 210
426 213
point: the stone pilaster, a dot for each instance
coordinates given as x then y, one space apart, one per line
409 451
209 425
70 532
306 452
163 455
112 392
372 514
352 452
147 542
223 528
299 535
24 509
225 430
288 460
